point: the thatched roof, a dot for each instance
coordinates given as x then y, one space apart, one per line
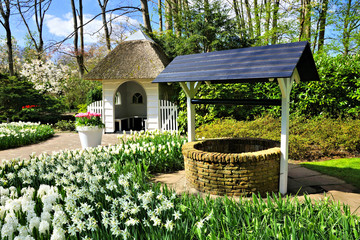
137 59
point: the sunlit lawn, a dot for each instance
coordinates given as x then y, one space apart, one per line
347 169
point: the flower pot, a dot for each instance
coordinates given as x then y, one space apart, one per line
90 136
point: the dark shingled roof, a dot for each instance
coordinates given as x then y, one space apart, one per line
136 59
254 64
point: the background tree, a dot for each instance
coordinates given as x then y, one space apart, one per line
37 9
5 10
146 16
78 21
103 5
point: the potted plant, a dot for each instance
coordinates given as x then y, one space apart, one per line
90 129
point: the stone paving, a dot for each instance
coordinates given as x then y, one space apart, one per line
60 141
301 180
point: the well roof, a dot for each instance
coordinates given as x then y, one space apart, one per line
136 59
253 64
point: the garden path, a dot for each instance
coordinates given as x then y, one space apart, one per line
60 141
301 180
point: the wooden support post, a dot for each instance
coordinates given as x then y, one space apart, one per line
190 89
285 87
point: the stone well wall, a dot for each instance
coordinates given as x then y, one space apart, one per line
233 167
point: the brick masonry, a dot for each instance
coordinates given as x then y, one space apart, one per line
233 167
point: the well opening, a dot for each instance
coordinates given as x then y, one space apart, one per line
233 167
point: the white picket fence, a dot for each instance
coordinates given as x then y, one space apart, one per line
168 116
96 107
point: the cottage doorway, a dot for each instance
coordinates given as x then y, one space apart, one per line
130 107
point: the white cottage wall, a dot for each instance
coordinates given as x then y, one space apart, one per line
152 94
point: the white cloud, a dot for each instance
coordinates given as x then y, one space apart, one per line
63 26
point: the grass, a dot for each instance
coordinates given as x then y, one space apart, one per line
347 169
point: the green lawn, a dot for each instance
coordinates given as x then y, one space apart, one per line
347 169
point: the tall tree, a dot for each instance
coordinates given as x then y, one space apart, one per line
168 15
37 9
248 13
146 16
275 18
322 23
5 10
257 19
349 25
160 15
305 20
78 30
103 5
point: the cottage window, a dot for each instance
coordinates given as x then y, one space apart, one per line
137 98
118 98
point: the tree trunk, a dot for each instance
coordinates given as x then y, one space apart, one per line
248 12
274 36
160 15
323 16
78 54
82 47
168 15
5 10
257 19
237 14
346 31
103 6
267 20
146 17
176 17
9 48
307 20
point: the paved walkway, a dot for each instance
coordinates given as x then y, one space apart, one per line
301 180
60 141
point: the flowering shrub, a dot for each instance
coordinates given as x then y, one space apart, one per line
102 193
88 119
17 134
46 76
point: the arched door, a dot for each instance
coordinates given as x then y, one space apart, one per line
130 107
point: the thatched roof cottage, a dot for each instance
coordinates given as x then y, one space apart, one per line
130 100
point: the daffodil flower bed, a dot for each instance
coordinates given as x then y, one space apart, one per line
17 134
104 193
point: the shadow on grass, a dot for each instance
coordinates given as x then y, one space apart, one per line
349 175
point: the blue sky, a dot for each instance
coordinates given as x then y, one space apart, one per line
59 23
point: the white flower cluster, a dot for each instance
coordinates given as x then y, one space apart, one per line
86 192
46 76
17 129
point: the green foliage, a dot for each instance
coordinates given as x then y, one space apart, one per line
17 92
65 125
77 90
94 94
206 29
347 169
82 108
18 134
310 139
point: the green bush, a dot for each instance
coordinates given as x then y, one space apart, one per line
20 101
17 134
65 125
310 139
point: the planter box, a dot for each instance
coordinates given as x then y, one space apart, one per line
90 136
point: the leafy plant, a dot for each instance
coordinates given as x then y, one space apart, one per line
65 125
18 134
